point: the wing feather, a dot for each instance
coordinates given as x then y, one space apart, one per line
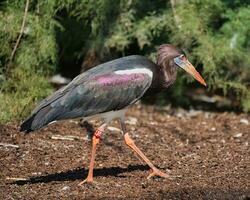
96 91
94 97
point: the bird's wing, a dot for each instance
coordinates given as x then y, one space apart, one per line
112 68
107 87
103 93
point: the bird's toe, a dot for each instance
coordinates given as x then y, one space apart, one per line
157 172
86 181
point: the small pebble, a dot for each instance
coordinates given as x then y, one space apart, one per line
153 123
131 121
213 129
244 121
238 135
36 173
65 188
193 113
113 129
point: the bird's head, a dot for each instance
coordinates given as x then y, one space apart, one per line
170 57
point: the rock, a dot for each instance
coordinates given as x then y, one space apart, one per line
131 121
213 129
193 113
58 79
65 188
113 129
238 135
244 121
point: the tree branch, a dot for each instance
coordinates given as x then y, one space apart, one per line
21 31
176 17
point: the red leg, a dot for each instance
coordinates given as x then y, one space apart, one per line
95 141
155 171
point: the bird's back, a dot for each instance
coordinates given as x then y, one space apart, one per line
110 86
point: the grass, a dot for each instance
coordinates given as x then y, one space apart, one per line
20 93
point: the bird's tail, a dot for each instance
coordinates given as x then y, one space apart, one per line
27 124
39 119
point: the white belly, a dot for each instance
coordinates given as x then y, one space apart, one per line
109 116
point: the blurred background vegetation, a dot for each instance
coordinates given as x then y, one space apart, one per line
41 38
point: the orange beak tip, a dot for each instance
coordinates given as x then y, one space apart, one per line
204 83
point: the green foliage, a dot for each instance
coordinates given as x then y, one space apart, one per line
20 93
215 35
23 80
222 49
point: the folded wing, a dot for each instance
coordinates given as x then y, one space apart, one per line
91 94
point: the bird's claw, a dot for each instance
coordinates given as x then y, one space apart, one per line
157 172
87 180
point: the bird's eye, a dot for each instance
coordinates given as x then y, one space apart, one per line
183 57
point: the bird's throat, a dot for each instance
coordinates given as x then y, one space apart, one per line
169 76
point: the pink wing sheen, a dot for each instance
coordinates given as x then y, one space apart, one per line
119 79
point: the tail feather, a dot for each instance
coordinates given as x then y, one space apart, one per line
27 124
38 120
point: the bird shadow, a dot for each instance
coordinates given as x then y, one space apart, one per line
76 174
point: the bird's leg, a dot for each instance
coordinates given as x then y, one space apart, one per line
95 141
131 144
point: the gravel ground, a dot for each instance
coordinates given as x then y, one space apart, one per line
206 154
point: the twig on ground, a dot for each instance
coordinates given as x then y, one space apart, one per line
16 179
9 145
113 129
67 137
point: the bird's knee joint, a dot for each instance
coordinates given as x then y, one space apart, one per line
98 133
128 140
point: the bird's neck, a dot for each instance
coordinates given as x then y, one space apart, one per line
168 75
162 79
167 69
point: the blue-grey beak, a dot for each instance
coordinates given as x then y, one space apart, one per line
183 62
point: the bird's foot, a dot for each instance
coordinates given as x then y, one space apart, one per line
157 172
87 180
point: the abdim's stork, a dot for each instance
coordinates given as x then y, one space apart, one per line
107 91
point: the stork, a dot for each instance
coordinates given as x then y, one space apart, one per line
107 91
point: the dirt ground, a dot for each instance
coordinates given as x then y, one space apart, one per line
207 155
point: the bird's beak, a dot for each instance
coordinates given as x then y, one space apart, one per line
183 62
